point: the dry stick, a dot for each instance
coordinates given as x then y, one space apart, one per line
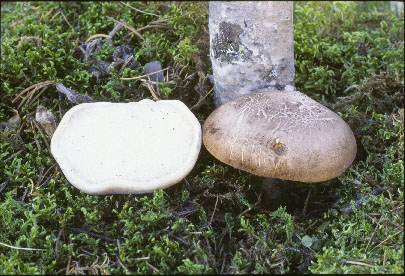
64 17
151 266
121 264
375 230
68 265
40 184
359 263
215 208
97 35
41 172
153 26
150 88
128 27
22 248
43 136
48 13
160 21
140 259
12 156
125 64
53 17
200 101
35 137
57 243
138 10
386 240
115 30
143 76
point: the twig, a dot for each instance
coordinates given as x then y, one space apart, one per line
64 17
43 136
154 268
36 86
125 64
48 13
358 263
223 263
37 96
92 234
98 35
375 230
120 263
386 240
4 184
304 211
57 243
215 208
35 136
153 26
53 17
200 101
68 265
128 27
140 259
22 248
385 258
253 206
160 21
12 156
138 10
115 30
119 246
143 76
151 90
42 176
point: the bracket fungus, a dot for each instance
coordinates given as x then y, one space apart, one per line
122 148
284 135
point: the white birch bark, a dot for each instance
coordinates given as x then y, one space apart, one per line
251 47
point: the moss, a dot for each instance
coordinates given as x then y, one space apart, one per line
349 56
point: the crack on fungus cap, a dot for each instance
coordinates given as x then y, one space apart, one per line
122 148
284 135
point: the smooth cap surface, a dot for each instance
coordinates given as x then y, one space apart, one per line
284 135
122 148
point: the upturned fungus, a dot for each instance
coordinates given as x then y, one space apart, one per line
284 135
122 148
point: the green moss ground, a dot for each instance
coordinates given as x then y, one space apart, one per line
348 56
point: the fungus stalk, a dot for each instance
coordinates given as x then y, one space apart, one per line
251 47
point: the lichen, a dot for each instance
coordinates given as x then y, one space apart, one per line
227 44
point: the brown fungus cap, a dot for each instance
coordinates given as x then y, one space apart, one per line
284 135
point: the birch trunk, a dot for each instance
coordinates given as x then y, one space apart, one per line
251 47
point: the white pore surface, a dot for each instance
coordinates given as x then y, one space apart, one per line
122 148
